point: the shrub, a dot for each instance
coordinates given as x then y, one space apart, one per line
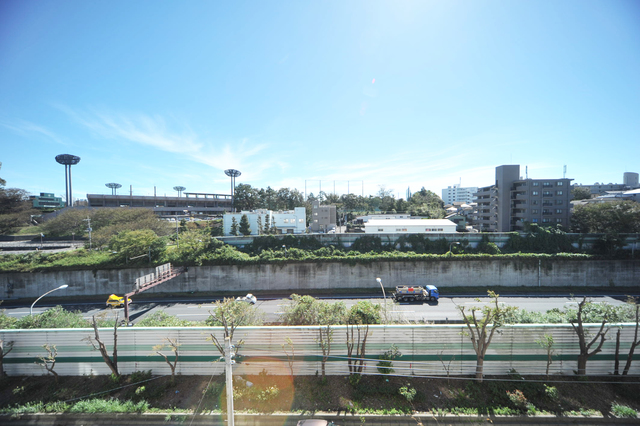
623 411
551 392
385 363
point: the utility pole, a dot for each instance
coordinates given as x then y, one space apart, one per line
228 360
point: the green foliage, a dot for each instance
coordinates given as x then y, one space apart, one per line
367 243
539 239
140 376
109 406
408 392
15 208
364 313
163 319
56 317
386 360
244 229
140 246
232 313
607 218
426 204
578 193
551 392
196 246
273 243
307 310
486 246
623 411
6 321
234 227
105 223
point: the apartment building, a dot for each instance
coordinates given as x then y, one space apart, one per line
456 193
512 202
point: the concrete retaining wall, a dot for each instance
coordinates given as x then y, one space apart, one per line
300 277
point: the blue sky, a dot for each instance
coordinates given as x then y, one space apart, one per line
361 93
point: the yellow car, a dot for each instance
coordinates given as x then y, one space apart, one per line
116 301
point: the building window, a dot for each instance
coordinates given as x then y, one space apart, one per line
380 230
315 220
559 211
536 183
545 220
534 220
300 220
547 184
559 220
534 193
315 213
546 193
534 202
534 211
559 183
558 192
559 202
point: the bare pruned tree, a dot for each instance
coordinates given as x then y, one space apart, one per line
173 346
482 324
49 361
98 344
584 339
231 314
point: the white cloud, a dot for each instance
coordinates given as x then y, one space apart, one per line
26 128
178 138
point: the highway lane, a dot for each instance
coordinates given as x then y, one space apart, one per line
198 309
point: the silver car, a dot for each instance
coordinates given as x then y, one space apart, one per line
315 422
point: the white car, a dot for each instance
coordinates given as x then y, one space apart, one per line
249 298
315 422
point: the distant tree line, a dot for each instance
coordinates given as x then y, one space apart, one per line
423 203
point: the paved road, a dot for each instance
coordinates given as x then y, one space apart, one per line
443 311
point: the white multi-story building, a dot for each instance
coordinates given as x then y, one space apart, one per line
455 193
285 222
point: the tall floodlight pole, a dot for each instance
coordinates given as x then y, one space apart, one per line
233 174
68 160
179 189
113 186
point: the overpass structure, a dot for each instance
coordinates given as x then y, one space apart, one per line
162 274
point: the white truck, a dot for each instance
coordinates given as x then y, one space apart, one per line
411 293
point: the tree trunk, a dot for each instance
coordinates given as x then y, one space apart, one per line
616 364
582 364
479 367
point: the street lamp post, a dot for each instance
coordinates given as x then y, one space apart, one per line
384 295
57 288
